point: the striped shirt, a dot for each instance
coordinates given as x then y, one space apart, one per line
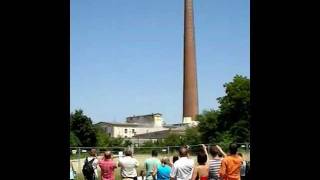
214 167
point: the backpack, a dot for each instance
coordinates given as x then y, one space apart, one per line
87 168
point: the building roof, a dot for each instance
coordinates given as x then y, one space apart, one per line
123 124
145 115
158 134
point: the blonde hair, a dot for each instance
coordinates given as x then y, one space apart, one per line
165 160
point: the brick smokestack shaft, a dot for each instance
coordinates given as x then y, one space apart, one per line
190 89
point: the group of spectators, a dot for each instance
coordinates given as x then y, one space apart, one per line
220 166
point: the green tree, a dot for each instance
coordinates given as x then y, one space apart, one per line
127 143
81 126
192 136
231 121
74 140
118 141
208 125
173 139
103 139
234 107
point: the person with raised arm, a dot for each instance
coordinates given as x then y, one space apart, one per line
201 171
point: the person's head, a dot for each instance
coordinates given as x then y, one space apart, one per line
202 158
93 152
233 148
183 152
240 154
165 160
107 155
175 158
128 153
154 153
214 151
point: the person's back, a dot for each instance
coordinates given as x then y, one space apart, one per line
164 169
107 167
151 164
163 172
92 161
128 166
214 163
243 167
201 171
182 168
230 165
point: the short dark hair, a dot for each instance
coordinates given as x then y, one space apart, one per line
128 153
154 153
202 158
240 154
175 158
214 151
233 148
183 151
93 152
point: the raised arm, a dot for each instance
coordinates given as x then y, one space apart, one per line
205 151
221 151
195 173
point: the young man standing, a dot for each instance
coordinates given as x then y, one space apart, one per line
231 164
151 164
128 166
182 168
90 166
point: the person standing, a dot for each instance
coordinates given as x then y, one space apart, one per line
107 166
201 171
243 168
182 168
151 164
128 166
231 164
162 172
217 155
89 169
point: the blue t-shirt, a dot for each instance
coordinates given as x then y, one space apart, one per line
163 172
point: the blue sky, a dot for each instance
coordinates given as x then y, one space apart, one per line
127 55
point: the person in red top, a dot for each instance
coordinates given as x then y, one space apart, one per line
231 164
107 166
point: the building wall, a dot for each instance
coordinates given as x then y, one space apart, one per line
129 131
154 120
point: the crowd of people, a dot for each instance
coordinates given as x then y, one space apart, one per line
220 166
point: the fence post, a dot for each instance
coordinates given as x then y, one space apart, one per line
168 149
79 151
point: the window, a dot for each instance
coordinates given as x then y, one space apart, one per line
125 130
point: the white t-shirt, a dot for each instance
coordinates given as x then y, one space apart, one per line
243 168
128 166
182 169
94 165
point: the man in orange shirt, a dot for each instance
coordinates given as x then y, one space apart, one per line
231 164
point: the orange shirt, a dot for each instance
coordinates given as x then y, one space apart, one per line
230 167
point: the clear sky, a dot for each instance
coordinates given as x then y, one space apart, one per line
127 55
